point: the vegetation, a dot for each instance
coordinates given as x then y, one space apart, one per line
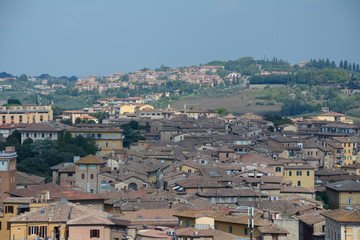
132 133
38 157
222 111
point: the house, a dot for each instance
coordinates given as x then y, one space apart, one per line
311 225
24 180
342 224
299 173
273 231
62 220
349 146
228 221
343 194
333 117
352 168
40 131
87 171
107 138
25 114
203 232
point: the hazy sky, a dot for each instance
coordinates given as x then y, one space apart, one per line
83 37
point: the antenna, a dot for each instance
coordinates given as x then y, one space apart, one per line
251 221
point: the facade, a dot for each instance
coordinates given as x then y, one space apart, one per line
342 224
299 174
7 172
61 220
349 146
25 114
343 194
107 139
87 170
40 131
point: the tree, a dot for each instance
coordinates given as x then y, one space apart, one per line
345 64
222 111
341 65
23 78
13 101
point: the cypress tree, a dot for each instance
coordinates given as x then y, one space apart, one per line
341 64
345 64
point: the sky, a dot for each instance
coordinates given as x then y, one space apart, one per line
101 37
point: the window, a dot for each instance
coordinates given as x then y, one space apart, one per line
9 209
245 231
114 136
227 155
230 229
82 166
350 201
43 232
308 173
278 169
299 183
290 173
187 224
94 233
107 144
216 227
91 176
92 166
107 136
298 173
82 176
189 170
114 144
33 230
103 185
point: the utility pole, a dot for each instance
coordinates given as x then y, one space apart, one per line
251 221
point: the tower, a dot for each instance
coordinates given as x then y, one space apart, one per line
7 172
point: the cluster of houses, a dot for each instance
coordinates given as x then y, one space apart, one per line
194 176
204 75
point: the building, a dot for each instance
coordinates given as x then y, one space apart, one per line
40 131
25 114
107 138
62 220
232 222
7 172
349 146
342 224
343 194
333 117
87 171
299 174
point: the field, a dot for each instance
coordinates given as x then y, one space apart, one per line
239 103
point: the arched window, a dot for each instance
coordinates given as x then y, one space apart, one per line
132 186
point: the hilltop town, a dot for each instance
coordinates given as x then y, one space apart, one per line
130 165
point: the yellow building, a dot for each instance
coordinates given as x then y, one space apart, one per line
349 147
352 168
187 168
107 139
342 224
61 220
233 222
299 174
343 194
13 207
333 117
25 114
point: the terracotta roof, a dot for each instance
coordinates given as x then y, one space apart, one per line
312 217
90 159
272 229
344 215
292 189
63 211
197 233
28 178
40 127
345 186
231 193
56 192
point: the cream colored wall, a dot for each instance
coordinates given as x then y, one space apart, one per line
83 232
205 220
20 230
306 181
